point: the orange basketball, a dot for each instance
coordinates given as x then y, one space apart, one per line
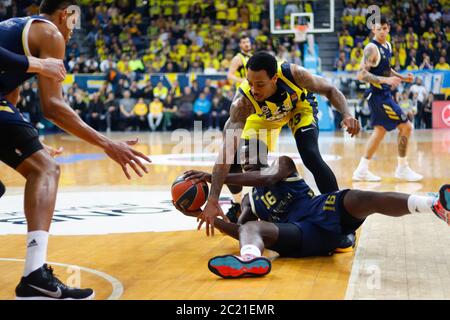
189 196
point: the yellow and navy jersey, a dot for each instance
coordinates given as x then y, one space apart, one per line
288 97
276 203
242 70
382 67
14 37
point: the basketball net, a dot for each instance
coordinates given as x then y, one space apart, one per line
300 32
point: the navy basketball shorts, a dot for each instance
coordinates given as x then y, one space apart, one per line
311 237
18 138
385 111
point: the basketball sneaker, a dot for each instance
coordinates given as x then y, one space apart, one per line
407 174
2 189
234 212
441 206
41 284
347 244
233 267
365 175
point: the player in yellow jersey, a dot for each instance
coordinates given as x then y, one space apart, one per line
237 72
276 94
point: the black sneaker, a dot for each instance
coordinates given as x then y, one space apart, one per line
2 189
41 284
347 243
234 212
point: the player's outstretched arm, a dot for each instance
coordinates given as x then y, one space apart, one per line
319 85
56 110
241 109
283 168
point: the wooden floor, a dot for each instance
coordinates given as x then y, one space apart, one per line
173 265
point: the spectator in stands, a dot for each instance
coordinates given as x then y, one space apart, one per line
442 65
169 113
407 105
140 112
111 112
421 93
340 62
127 117
220 110
202 110
135 92
428 111
362 113
435 15
426 64
80 106
155 115
353 66
294 56
160 91
136 65
185 109
27 103
412 66
95 116
147 91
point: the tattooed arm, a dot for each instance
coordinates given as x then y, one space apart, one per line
241 109
321 86
370 58
408 78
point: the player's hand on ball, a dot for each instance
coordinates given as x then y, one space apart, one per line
197 176
194 214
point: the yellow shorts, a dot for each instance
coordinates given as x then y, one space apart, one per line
268 131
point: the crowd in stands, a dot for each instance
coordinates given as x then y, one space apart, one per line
125 39
127 107
420 33
166 35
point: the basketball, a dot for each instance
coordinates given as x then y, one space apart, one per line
189 196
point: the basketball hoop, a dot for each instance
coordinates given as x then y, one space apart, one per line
300 32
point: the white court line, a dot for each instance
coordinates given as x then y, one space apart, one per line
116 284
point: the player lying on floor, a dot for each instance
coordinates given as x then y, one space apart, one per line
282 214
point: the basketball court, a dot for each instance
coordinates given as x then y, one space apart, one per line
125 239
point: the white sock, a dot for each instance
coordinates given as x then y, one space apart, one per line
237 197
250 251
363 164
402 162
36 251
420 204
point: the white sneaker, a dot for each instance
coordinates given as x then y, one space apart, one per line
407 174
365 175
